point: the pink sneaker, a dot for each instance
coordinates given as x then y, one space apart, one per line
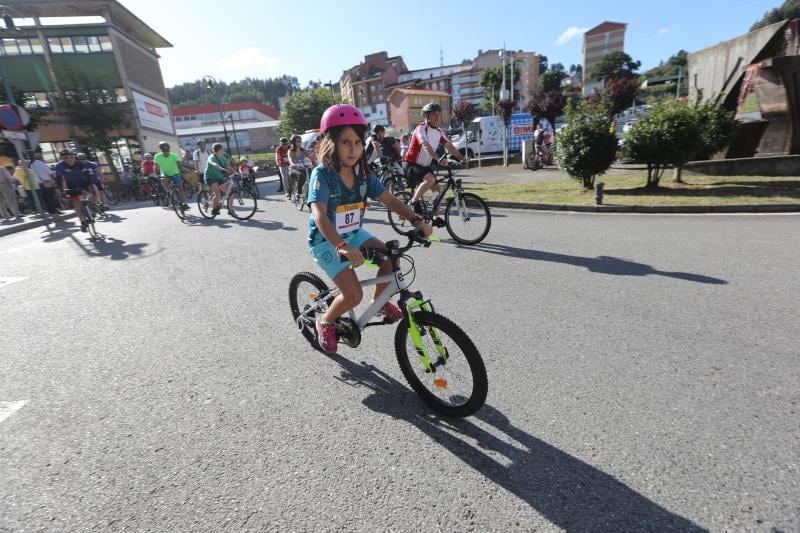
391 311
326 336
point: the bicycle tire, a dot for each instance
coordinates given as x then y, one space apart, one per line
400 225
254 189
477 206
441 325
533 162
89 217
205 204
309 331
111 196
304 195
177 204
238 205
125 196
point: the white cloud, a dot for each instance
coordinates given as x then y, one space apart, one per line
663 31
247 62
570 33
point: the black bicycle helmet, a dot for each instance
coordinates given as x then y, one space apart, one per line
66 151
378 128
163 145
431 107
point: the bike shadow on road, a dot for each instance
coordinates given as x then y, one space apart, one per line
271 225
602 264
104 246
567 491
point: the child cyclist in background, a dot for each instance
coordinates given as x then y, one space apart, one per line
338 190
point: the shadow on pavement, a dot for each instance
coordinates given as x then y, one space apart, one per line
271 225
568 492
602 264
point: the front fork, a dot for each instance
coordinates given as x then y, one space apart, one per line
416 332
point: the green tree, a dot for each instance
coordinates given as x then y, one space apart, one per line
550 81
671 67
543 65
504 110
491 79
670 135
718 127
93 110
586 147
303 111
620 94
265 91
547 105
463 113
615 65
790 9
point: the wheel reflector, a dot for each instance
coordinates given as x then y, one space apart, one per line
440 383
312 295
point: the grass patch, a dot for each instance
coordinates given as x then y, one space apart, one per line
629 190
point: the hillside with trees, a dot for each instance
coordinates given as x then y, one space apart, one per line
265 91
789 10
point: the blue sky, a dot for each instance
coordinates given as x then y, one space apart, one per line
319 39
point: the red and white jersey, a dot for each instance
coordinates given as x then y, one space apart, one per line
424 134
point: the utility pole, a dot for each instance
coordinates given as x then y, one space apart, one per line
211 84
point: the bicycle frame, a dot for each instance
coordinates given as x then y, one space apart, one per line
409 302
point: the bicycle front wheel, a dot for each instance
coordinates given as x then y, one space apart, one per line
204 204
533 162
304 195
467 218
177 205
242 205
399 224
454 381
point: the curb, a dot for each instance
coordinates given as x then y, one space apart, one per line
30 224
778 208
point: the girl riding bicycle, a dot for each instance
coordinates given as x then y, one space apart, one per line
338 191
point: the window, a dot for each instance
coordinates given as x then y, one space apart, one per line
36 46
55 45
66 45
79 44
10 47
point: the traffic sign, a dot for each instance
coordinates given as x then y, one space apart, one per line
9 119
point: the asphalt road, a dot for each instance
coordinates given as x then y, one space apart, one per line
643 377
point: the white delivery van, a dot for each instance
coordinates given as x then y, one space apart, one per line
490 132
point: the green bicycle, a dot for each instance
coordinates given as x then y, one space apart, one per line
448 373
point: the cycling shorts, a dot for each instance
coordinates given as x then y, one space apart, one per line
326 257
415 173
177 179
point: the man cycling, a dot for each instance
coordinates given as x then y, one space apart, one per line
421 154
169 164
74 180
94 176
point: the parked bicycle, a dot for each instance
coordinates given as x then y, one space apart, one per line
241 204
466 215
448 372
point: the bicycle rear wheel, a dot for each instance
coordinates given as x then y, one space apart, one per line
533 161
204 204
456 385
177 204
304 290
467 218
242 204
400 225
304 196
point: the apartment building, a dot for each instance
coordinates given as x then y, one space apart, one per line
598 42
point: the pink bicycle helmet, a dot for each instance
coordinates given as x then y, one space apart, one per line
341 115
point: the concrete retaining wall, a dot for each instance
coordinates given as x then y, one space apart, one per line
786 165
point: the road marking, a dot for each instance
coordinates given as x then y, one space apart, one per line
9 280
9 408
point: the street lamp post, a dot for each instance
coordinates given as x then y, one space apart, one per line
11 30
211 84
235 140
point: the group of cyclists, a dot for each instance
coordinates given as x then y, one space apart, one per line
75 174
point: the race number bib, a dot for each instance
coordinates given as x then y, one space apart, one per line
348 217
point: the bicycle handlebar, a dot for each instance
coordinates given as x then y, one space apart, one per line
414 237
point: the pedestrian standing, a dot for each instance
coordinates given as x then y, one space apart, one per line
9 205
29 185
200 158
282 160
48 185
